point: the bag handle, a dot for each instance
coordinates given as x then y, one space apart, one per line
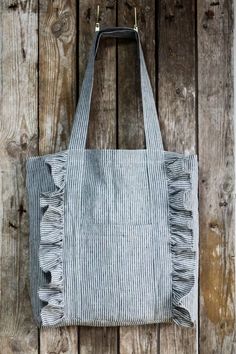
81 119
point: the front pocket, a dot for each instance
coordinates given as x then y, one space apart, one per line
117 279
116 195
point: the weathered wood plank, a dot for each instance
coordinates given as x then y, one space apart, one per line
139 339
59 340
135 339
177 112
57 92
18 133
216 156
57 73
98 340
176 75
102 128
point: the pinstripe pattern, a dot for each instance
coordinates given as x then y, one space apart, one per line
113 233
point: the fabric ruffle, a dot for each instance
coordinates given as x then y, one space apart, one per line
182 188
51 242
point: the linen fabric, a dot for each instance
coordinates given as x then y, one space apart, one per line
113 233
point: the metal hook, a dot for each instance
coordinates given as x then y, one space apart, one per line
97 25
135 20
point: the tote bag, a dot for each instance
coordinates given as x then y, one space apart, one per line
113 233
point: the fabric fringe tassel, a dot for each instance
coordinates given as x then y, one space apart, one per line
51 242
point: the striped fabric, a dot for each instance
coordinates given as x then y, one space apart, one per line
113 233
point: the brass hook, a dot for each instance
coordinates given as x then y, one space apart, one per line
97 25
135 20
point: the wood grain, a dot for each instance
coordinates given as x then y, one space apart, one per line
18 132
135 339
98 340
102 128
59 340
57 73
139 339
177 112
216 156
57 92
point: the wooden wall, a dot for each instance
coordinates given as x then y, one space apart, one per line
188 50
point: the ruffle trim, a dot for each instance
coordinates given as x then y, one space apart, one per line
51 242
181 187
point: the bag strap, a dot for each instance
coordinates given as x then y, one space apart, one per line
81 119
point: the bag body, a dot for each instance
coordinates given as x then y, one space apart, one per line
113 233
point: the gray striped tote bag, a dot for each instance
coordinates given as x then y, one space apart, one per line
113 233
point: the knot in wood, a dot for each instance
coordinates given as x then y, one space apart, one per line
61 25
